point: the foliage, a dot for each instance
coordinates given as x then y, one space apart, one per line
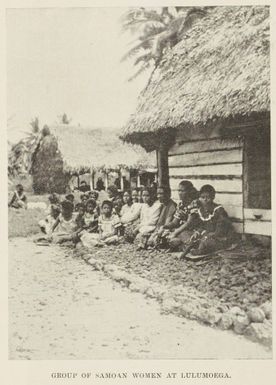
156 30
63 119
20 154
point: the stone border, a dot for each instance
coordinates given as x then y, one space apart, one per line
256 324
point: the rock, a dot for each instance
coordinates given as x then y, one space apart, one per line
209 316
240 323
110 267
150 293
139 285
91 261
226 321
260 332
189 309
120 276
98 265
267 309
256 314
237 311
170 305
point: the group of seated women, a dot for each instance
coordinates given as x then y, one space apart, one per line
148 217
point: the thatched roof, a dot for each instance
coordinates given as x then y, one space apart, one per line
220 69
83 148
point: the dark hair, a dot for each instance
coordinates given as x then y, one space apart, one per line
119 195
67 205
83 196
53 198
113 189
82 182
55 209
69 196
190 187
94 192
166 188
186 184
79 205
90 202
151 191
208 189
106 202
19 186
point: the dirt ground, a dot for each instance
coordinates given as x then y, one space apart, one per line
59 308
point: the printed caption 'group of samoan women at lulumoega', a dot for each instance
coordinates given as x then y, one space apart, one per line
148 217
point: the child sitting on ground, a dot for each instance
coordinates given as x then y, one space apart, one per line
108 225
64 227
51 212
47 223
91 216
95 195
212 226
80 223
19 199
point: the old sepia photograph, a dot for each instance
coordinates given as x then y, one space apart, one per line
139 183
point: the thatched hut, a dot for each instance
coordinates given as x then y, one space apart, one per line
206 110
77 151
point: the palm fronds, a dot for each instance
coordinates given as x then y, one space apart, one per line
157 29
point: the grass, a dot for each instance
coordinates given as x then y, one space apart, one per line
24 223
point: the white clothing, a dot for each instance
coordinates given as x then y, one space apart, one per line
149 216
131 213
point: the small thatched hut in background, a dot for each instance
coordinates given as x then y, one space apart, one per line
206 111
74 151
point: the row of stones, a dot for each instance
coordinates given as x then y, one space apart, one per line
255 323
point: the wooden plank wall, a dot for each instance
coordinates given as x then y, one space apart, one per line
218 162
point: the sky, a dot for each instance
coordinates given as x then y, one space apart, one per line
67 60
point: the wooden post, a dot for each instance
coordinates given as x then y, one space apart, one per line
121 180
106 180
91 178
138 180
163 165
78 176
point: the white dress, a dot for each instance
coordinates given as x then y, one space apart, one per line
148 217
130 214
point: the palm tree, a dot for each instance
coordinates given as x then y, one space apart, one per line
156 30
20 154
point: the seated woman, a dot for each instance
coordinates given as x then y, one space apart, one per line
150 212
118 204
214 230
178 233
135 195
108 225
130 214
19 199
166 216
64 228
112 192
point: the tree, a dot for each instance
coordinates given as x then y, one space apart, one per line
20 154
64 119
156 30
